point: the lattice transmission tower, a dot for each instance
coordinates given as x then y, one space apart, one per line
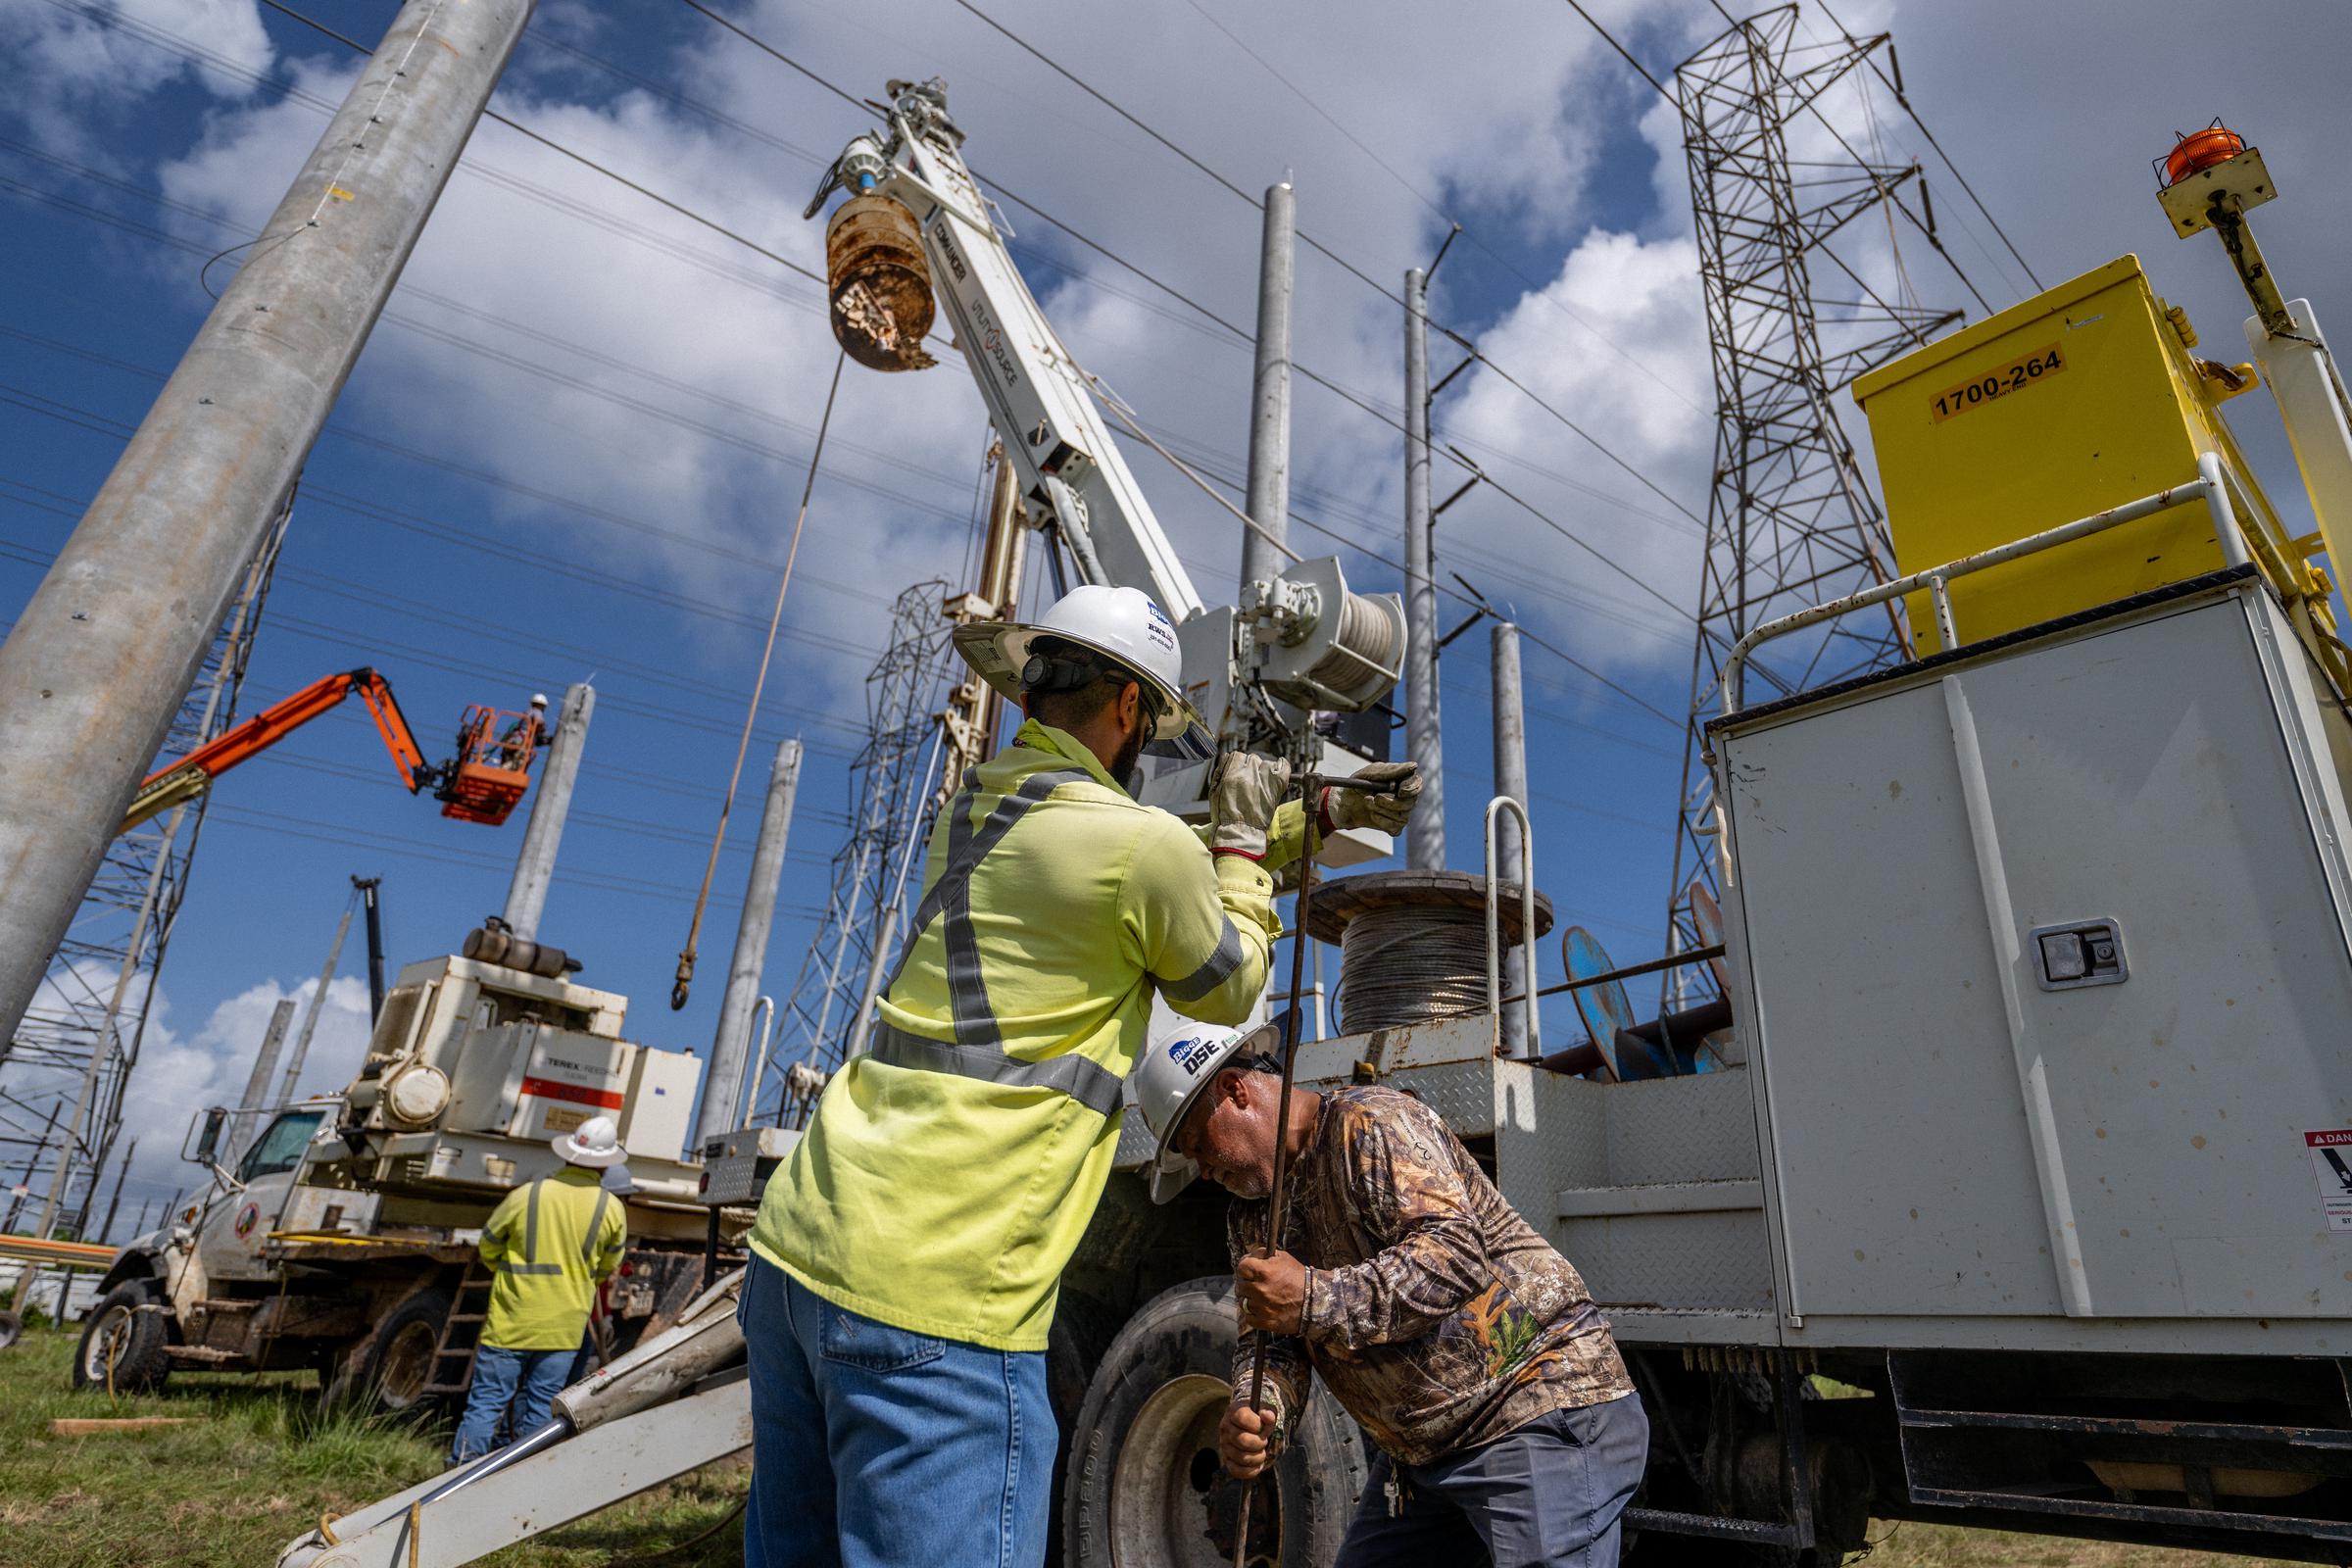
894 787
1790 519
63 1076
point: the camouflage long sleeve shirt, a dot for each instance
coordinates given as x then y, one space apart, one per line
1436 1315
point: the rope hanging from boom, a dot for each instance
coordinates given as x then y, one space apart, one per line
694 930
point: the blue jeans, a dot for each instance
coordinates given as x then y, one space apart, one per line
497 1374
874 1447
1547 1495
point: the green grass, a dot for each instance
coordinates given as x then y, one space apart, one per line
263 1463
1918 1545
258 1470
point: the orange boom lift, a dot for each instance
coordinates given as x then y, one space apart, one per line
481 784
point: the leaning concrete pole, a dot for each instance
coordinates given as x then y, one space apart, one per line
1270 394
310 1016
257 1085
1425 831
551 803
1510 778
730 1046
99 661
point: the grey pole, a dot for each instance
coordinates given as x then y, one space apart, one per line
257 1085
310 1015
722 1080
1270 394
1510 778
550 803
1425 831
99 660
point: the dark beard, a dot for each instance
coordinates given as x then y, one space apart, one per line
1123 766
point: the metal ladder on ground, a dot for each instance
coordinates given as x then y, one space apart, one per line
461 1332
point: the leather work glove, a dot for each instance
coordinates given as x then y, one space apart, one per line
1242 804
1344 808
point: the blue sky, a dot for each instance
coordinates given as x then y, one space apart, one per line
572 449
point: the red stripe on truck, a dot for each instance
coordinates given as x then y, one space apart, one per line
577 1093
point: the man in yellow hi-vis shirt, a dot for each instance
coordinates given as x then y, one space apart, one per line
905 1259
548 1244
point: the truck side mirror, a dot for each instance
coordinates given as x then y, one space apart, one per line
207 1138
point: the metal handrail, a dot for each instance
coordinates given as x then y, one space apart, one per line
1527 925
2209 483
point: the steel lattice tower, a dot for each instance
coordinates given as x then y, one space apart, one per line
67 1070
894 787
1790 519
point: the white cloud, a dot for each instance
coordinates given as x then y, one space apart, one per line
75 62
179 1074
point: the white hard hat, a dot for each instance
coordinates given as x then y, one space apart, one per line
1122 625
595 1144
1168 1080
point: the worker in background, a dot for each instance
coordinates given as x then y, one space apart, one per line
1456 1337
547 1245
905 1259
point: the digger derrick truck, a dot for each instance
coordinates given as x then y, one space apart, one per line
343 1238
2019 1190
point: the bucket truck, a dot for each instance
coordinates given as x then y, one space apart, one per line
2017 1198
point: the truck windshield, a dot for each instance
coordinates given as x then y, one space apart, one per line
281 1146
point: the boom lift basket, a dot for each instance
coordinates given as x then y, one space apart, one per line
492 769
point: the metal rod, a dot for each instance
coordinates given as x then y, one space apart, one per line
2208 487
551 803
1504 806
731 1042
310 1015
1425 831
1672 960
99 661
1278 1194
1510 779
1270 395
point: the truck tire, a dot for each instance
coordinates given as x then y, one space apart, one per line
387 1374
121 1340
11 1326
1144 1487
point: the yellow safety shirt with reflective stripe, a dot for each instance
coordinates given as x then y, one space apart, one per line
547 1244
949 1173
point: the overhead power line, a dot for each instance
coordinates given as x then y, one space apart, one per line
1345 394
1255 202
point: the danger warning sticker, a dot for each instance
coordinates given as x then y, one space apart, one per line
2332 1165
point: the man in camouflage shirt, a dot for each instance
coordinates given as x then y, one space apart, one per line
1456 1335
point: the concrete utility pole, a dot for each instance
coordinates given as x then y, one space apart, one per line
1510 778
257 1085
100 659
113 1204
723 1079
535 865
310 1016
1270 394
1425 832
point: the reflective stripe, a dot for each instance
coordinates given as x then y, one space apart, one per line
1089 1083
596 1230
1214 972
530 1239
950 895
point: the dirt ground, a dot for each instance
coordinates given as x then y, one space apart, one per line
261 1464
